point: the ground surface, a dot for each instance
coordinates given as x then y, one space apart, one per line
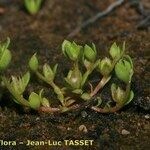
126 130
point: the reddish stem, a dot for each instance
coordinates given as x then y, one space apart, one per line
49 109
100 85
56 110
107 110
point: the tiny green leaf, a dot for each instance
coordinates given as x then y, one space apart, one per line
33 63
120 95
105 66
65 45
99 100
41 93
55 69
25 79
131 96
17 85
74 78
45 102
115 51
113 91
71 50
5 59
34 100
90 53
86 96
77 91
32 6
48 72
129 59
124 69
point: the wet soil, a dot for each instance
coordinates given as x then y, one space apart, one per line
125 130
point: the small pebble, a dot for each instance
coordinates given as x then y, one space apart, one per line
83 128
125 132
68 128
84 114
139 124
37 119
147 116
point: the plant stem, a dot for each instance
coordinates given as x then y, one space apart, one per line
57 110
57 90
40 76
100 85
48 109
59 93
88 72
104 80
107 110
117 106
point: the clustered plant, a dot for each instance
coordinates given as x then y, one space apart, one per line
76 93
5 58
32 6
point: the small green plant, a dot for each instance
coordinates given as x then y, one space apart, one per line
32 6
78 92
17 86
5 55
5 58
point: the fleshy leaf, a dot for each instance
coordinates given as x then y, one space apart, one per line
55 69
25 79
74 78
71 50
99 100
86 96
114 51
33 63
45 102
89 53
123 70
129 59
94 48
5 59
77 91
120 95
33 6
41 93
48 72
113 91
105 66
131 96
34 100
66 44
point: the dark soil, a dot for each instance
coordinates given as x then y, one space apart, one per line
44 34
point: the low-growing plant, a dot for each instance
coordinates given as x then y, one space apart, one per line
5 58
78 92
32 6
5 55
